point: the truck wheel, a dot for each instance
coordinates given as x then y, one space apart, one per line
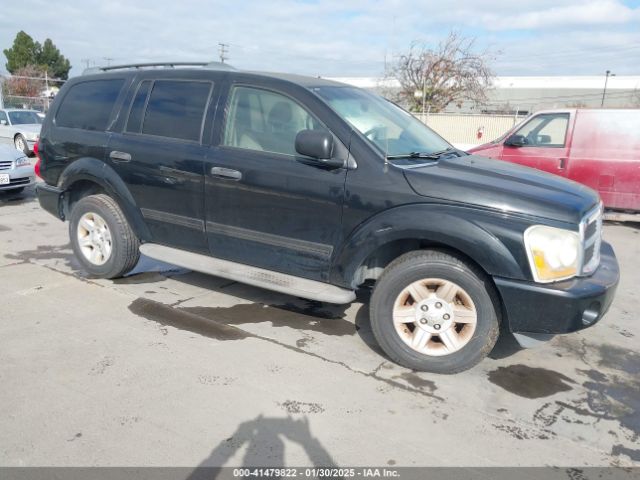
432 312
101 237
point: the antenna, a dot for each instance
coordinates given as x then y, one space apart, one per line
223 49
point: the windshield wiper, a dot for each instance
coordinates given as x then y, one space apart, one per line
429 156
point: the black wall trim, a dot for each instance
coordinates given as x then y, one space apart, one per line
187 222
318 249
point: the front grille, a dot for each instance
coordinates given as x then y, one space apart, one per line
591 233
6 164
16 181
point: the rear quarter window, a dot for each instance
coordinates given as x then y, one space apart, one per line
88 105
176 108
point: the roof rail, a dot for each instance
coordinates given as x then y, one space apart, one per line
109 68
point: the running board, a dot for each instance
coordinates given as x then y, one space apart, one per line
259 277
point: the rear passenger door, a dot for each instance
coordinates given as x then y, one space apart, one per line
267 206
159 155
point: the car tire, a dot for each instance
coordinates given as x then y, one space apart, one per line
102 238
21 144
434 312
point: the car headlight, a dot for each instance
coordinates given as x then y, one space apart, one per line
554 253
23 161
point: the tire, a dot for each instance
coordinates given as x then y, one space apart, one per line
101 237
430 334
21 144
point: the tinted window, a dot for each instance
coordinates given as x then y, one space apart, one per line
265 121
546 130
137 108
176 108
88 105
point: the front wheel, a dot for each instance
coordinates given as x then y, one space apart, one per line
433 312
101 237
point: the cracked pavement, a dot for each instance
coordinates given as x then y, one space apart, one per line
174 368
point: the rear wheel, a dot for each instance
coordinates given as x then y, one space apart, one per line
21 144
431 311
101 237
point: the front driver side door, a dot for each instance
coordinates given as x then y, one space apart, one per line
265 206
546 143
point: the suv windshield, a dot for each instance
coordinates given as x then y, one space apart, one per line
23 118
390 128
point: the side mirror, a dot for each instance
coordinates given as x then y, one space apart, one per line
3 122
317 144
516 141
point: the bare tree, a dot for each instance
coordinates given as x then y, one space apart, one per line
452 72
26 82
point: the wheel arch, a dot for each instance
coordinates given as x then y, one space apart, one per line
88 176
395 232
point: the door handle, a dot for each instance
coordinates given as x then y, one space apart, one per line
226 173
120 156
562 164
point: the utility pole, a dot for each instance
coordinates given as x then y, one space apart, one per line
606 79
108 60
87 62
223 49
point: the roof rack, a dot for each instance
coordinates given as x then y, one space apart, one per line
136 66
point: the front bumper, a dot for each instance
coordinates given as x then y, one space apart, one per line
19 177
561 307
50 199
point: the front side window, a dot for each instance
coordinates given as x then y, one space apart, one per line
545 130
88 105
3 116
265 121
24 118
176 109
391 129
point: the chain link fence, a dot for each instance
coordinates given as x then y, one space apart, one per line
27 92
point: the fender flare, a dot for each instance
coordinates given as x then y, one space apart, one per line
98 172
460 228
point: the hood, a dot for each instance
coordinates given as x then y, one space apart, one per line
503 186
29 127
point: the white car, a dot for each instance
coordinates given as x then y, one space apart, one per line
16 170
20 127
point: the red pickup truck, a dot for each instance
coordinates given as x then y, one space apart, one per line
596 147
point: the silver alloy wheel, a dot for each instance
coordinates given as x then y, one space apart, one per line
19 143
434 316
94 238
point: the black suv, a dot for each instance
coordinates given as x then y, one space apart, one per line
314 188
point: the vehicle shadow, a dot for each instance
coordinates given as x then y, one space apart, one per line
263 439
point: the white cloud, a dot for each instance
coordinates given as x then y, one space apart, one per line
326 37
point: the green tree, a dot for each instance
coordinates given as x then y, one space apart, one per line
24 52
53 61
27 52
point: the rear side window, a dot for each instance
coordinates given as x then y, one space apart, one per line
88 105
137 108
176 109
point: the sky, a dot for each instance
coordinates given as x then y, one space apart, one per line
336 38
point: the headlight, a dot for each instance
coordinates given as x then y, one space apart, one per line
23 161
554 253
